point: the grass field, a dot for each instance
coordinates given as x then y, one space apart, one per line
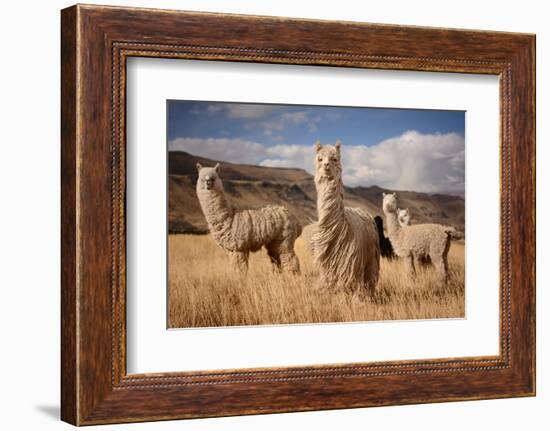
205 291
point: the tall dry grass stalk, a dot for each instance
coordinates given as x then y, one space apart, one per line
205 291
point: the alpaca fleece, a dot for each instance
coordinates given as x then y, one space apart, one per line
345 240
417 243
404 217
307 233
248 230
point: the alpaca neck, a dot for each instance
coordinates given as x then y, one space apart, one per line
217 210
392 223
330 203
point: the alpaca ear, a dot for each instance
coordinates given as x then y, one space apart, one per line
395 194
199 166
383 194
338 145
217 167
318 146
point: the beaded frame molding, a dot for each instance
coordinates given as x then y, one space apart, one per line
95 43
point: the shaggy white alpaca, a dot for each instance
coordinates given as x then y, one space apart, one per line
404 217
414 243
248 230
344 240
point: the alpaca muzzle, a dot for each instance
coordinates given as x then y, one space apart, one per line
327 173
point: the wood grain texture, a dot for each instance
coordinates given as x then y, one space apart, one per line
96 41
69 367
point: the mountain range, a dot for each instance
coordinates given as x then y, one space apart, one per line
249 186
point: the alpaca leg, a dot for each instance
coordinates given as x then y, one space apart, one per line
371 277
441 269
290 262
439 260
274 255
322 285
418 262
446 268
371 288
240 261
360 291
283 256
409 266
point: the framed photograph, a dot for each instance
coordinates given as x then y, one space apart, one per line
263 214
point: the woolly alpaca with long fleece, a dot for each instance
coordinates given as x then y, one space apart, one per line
248 230
415 243
404 218
345 241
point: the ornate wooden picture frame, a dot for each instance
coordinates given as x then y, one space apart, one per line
96 42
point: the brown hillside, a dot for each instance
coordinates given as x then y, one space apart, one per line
249 186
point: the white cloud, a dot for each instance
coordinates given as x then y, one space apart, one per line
234 110
411 161
255 116
291 119
195 110
281 122
213 108
248 111
224 149
237 110
295 117
289 156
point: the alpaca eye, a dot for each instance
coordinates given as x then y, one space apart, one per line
334 159
320 159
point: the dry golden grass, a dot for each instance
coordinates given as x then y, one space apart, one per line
205 291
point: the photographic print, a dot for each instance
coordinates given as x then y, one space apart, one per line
296 214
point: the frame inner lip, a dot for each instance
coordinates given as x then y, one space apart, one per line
127 49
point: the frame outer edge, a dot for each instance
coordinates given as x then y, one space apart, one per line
69 302
523 179
533 54
87 399
532 199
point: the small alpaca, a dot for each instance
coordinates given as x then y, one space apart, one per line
404 217
248 230
345 242
386 249
414 243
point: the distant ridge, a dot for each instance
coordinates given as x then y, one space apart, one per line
252 186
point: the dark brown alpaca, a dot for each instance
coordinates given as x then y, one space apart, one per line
386 249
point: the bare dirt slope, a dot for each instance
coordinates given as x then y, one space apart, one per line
252 186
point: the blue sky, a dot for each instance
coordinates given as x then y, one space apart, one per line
303 125
410 149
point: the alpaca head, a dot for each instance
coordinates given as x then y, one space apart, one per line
209 178
328 165
404 217
389 202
